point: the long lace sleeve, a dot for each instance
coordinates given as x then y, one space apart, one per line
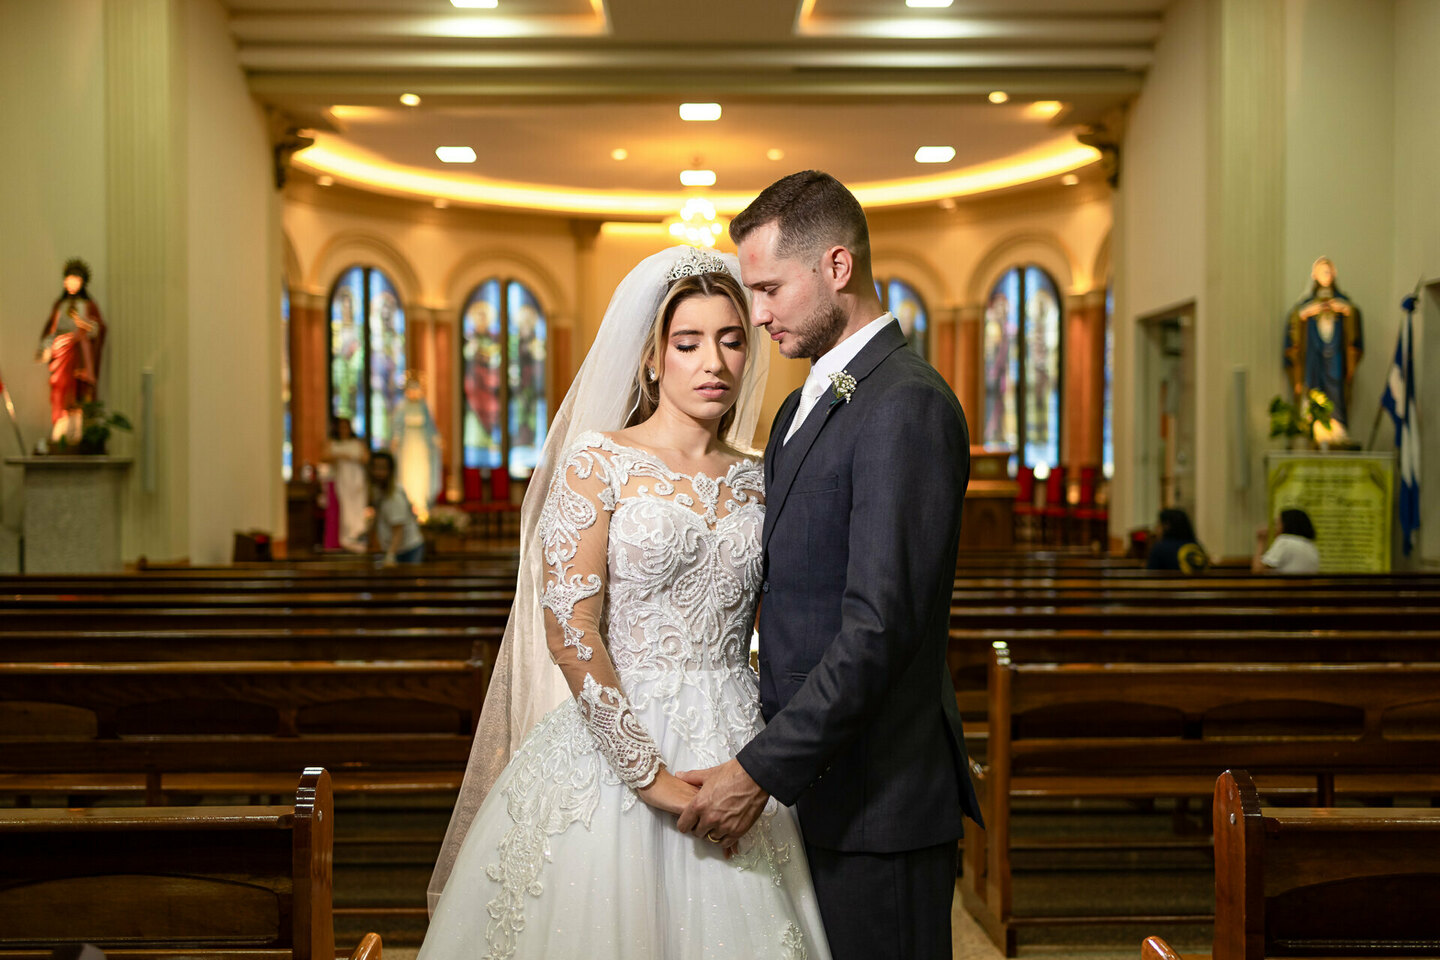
574 532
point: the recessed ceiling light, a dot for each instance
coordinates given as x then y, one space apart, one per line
697 178
928 3
410 99
455 154
934 154
619 153
325 180
1070 179
947 203
700 111
475 4
1043 109
999 96
441 203
775 153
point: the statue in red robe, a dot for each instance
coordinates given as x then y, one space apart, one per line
70 345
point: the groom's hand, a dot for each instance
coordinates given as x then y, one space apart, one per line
726 806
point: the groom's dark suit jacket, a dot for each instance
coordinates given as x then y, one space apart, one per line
862 526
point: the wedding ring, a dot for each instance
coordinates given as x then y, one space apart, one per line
711 837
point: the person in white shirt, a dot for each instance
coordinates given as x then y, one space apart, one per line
396 528
1293 550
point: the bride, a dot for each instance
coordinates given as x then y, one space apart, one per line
627 658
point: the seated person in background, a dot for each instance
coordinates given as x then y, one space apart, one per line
1176 549
1293 551
396 529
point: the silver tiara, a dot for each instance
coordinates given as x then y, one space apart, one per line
694 262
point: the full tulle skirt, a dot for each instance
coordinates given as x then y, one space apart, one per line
563 860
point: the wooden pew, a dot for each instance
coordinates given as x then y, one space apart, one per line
234 726
1155 948
1322 881
1148 730
213 882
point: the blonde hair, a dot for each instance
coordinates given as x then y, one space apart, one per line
685 288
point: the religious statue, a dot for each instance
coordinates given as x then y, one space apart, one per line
1324 340
70 345
416 443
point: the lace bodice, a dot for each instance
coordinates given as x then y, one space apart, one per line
651 580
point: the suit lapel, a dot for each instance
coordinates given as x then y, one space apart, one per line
781 476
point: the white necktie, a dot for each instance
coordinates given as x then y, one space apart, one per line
811 392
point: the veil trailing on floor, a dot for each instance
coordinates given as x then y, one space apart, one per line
525 685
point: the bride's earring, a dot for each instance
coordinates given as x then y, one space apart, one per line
652 374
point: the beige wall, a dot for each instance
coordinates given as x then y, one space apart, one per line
234 290
1160 215
52 200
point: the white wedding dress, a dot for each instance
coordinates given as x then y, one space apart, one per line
651 583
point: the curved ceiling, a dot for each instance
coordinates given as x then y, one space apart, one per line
544 90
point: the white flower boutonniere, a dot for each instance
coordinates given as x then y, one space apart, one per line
844 386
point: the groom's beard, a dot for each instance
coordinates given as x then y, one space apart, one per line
820 331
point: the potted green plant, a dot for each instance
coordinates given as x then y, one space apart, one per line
1298 419
96 424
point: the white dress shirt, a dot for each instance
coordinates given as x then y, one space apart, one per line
833 361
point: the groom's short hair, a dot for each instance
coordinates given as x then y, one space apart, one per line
813 212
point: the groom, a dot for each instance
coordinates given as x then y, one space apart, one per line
865 472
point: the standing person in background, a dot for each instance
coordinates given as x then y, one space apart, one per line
347 456
1177 548
396 528
1294 549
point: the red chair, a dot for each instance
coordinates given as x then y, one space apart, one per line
1025 509
1092 518
1056 511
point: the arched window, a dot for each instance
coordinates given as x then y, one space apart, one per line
503 377
287 447
1022 357
1107 425
904 301
367 353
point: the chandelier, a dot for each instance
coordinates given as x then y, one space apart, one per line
696 223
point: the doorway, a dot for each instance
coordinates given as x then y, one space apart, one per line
1166 411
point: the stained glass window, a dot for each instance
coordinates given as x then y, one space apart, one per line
503 377
902 300
1022 357
287 447
367 353
1107 442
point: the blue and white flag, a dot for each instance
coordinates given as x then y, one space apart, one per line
1399 398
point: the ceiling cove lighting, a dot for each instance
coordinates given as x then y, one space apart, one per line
333 156
697 178
932 4
998 96
455 154
475 4
700 112
934 154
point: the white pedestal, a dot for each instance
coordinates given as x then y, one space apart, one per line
72 513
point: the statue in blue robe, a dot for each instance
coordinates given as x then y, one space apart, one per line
1324 341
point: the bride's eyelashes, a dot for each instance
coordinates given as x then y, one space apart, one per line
729 344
